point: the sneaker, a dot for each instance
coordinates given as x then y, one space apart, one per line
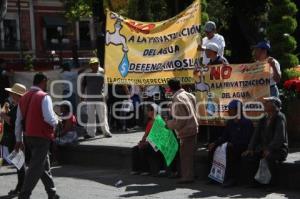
145 174
136 127
108 135
133 173
130 130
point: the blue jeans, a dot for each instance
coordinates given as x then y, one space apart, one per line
274 91
72 100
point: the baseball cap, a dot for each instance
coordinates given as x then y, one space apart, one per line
210 26
263 45
94 60
212 46
275 100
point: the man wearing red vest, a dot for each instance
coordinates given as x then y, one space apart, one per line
36 120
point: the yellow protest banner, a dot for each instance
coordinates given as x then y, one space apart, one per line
217 85
152 53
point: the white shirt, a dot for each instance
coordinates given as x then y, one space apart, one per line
217 39
277 65
48 115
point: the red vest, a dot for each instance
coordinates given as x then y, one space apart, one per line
35 125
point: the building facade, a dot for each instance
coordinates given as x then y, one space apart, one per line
39 28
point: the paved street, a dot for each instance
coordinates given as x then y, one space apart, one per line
92 183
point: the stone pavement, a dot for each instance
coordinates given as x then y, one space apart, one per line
127 140
115 153
75 182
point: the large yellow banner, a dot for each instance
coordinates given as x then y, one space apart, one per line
217 85
151 53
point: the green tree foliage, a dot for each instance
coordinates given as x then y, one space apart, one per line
219 11
204 14
76 9
143 10
280 29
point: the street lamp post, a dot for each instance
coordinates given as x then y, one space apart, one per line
20 29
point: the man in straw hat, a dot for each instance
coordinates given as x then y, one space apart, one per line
9 140
36 119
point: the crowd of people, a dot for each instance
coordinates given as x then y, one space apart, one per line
30 121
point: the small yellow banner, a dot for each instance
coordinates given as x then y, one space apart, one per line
217 85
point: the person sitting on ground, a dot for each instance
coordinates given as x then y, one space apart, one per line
237 133
68 131
270 140
144 158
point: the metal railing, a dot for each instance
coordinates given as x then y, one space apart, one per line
83 45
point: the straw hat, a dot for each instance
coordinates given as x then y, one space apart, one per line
18 89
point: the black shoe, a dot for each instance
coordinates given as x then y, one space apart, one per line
14 192
54 197
211 182
253 185
182 181
229 183
86 137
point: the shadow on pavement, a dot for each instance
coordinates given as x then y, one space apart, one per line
145 185
7 197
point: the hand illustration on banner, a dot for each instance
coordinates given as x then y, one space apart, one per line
116 38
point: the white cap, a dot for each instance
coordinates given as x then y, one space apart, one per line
212 46
210 26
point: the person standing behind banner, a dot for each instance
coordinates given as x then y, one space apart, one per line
135 96
211 37
185 124
261 54
36 116
9 139
211 51
93 84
